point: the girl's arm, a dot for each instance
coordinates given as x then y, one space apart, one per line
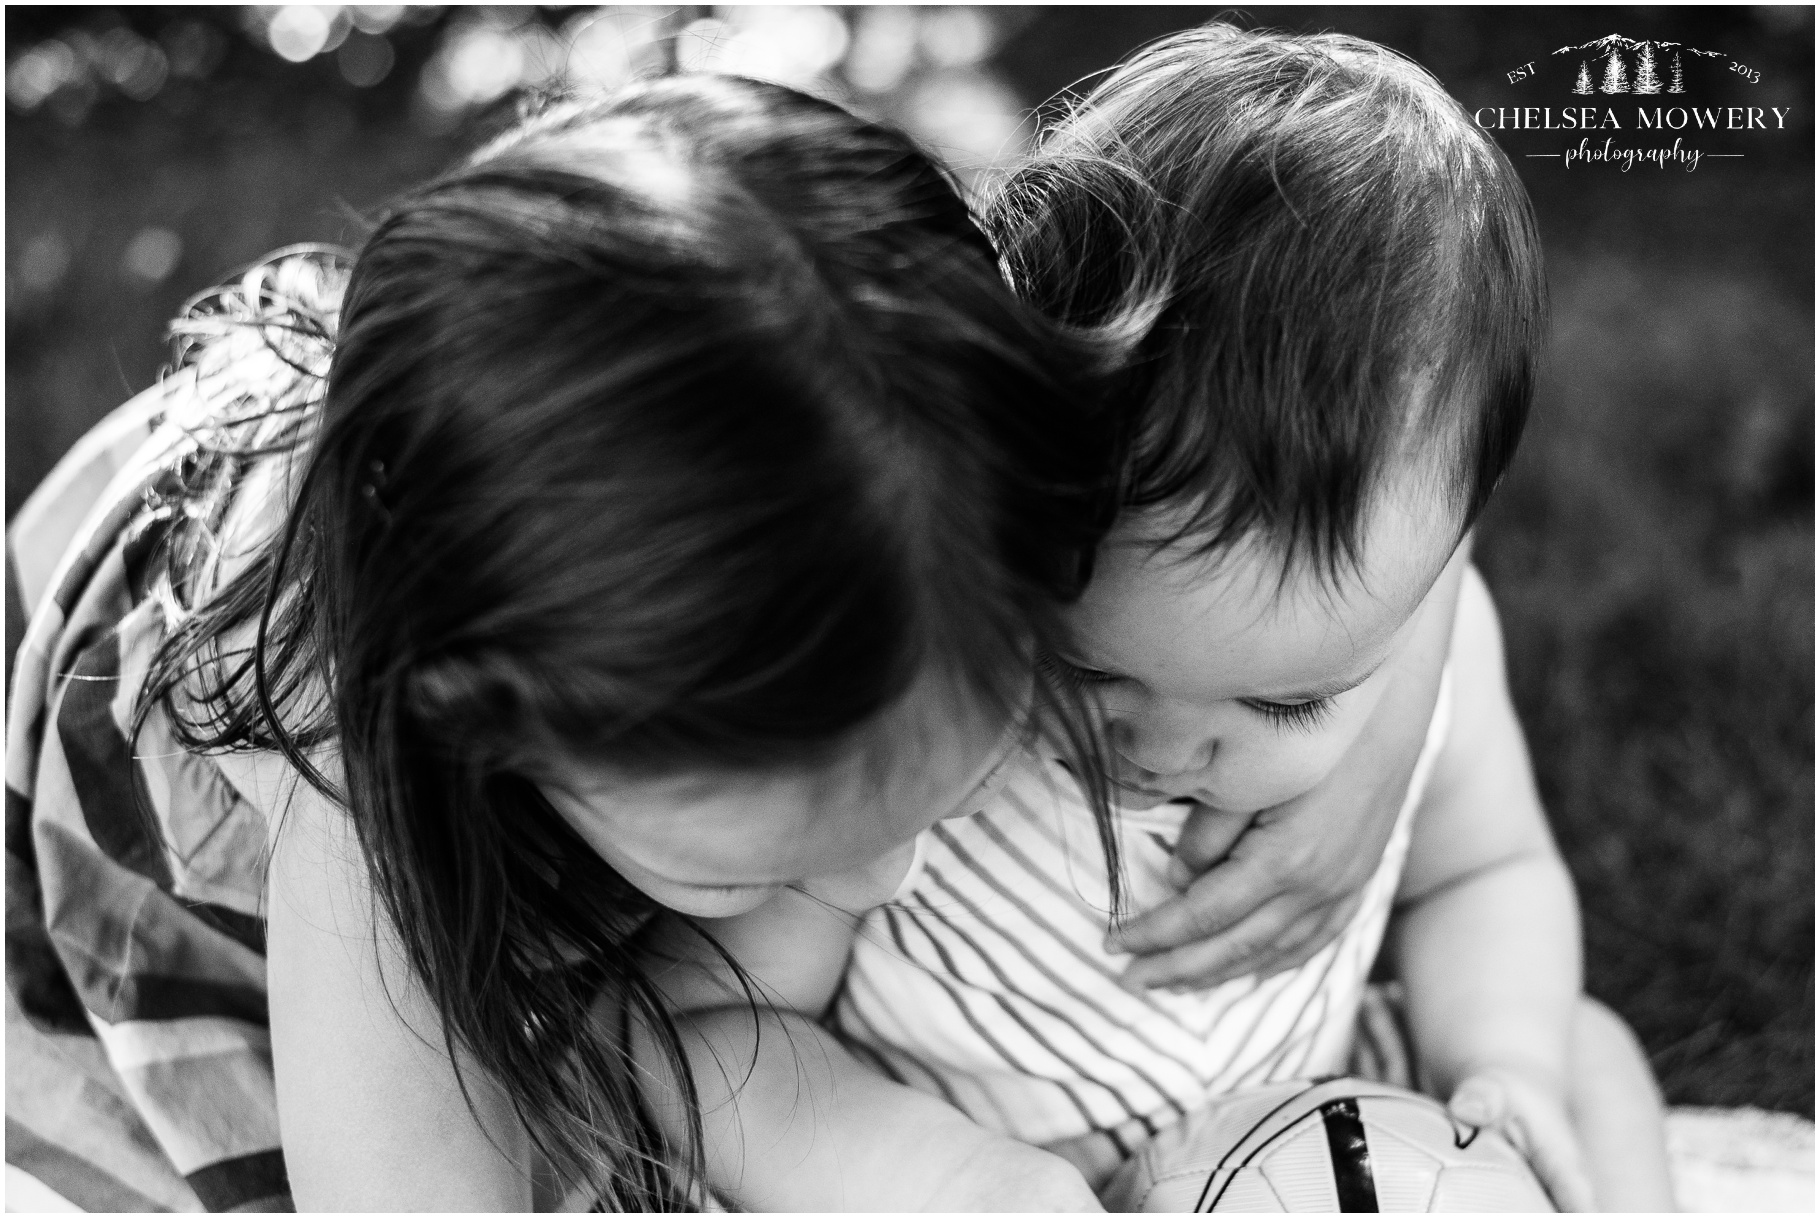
1264 893
791 1121
1487 935
370 1111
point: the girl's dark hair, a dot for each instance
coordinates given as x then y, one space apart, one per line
681 431
1312 262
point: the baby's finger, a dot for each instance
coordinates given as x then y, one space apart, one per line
1307 938
1535 1126
1216 903
1211 905
1479 1101
1555 1154
1236 952
1566 1180
1207 836
1290 948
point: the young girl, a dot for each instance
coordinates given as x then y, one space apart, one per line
665 506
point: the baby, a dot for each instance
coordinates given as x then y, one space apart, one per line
1327 286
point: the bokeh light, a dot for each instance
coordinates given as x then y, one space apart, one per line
926 68
375 18
883 49
365 59
152 254
42 265
973 120
796 44
299 32
609 46
40 72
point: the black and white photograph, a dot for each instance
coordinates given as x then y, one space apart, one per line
910 608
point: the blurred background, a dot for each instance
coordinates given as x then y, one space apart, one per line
1653 549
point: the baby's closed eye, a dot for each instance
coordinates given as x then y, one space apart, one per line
1305 716
1077 675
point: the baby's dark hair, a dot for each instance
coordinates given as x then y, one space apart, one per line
679 432
1308 264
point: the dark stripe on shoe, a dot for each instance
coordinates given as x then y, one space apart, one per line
1351 1157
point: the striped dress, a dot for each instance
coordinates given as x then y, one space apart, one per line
139 1062
985 981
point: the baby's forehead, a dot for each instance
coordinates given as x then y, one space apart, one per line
1246 610
1251 589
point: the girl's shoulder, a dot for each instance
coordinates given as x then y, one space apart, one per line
274 788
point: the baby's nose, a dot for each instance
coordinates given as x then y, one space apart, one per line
1162 754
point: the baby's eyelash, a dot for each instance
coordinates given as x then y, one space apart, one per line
1074 674
1305 716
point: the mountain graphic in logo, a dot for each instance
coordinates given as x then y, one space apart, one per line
1631 65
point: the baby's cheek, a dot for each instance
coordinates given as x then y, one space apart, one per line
1273 766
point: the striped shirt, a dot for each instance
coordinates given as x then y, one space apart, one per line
985 982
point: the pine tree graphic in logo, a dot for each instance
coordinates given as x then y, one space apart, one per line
1646 81
1632 65
1614 81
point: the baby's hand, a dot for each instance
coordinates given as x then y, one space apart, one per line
1260 893
1004 1176
1531 1111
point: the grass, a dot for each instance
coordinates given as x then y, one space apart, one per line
1652 555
